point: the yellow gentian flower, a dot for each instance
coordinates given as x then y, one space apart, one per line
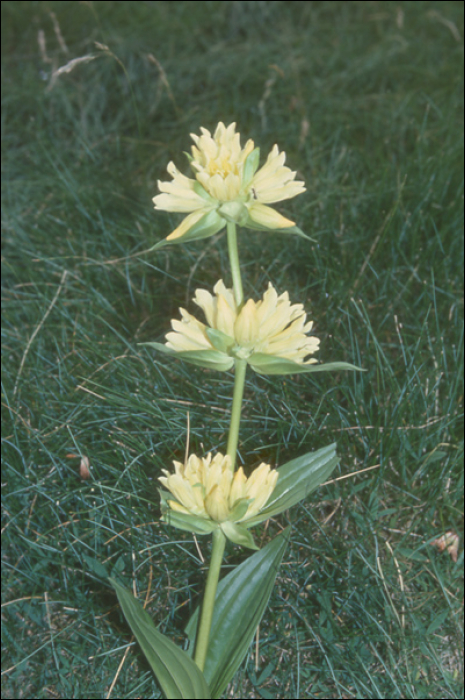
271 327
228 187
206 487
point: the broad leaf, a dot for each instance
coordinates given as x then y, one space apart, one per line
177 674
241 599
296 480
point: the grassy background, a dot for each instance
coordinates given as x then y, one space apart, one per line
366 100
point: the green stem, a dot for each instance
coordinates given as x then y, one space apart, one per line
239 381
219 539
203 635
234 262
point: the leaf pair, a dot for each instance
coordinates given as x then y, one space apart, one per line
218 358
241 600
234 623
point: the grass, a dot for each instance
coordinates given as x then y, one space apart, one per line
366 100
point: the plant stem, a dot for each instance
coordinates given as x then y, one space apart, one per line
219 539
234 262
239 381
203 635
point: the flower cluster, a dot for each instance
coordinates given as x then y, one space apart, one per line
208 488
228 187
255 331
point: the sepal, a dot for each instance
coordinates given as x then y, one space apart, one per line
237 533
184 521
207 226
221 341
251 164
248 222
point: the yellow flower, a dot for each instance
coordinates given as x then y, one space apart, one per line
271 327
228 187
207 488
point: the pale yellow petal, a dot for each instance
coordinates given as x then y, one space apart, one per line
182 491
180 343
275 323
227 294
237 487
178 195
264 495
181 202
213 474
178 468
225 316
280 323
207 303
246 325
280 192
247 150
275 181
216 505
267 306
256 480
189 334
178 508
266 216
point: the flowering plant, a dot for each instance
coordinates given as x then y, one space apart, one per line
208 495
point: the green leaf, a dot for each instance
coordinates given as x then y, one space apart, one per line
240 602
295 230
270 364
438 621
296 480
208 225
95 566
177 674
211 359
238 534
